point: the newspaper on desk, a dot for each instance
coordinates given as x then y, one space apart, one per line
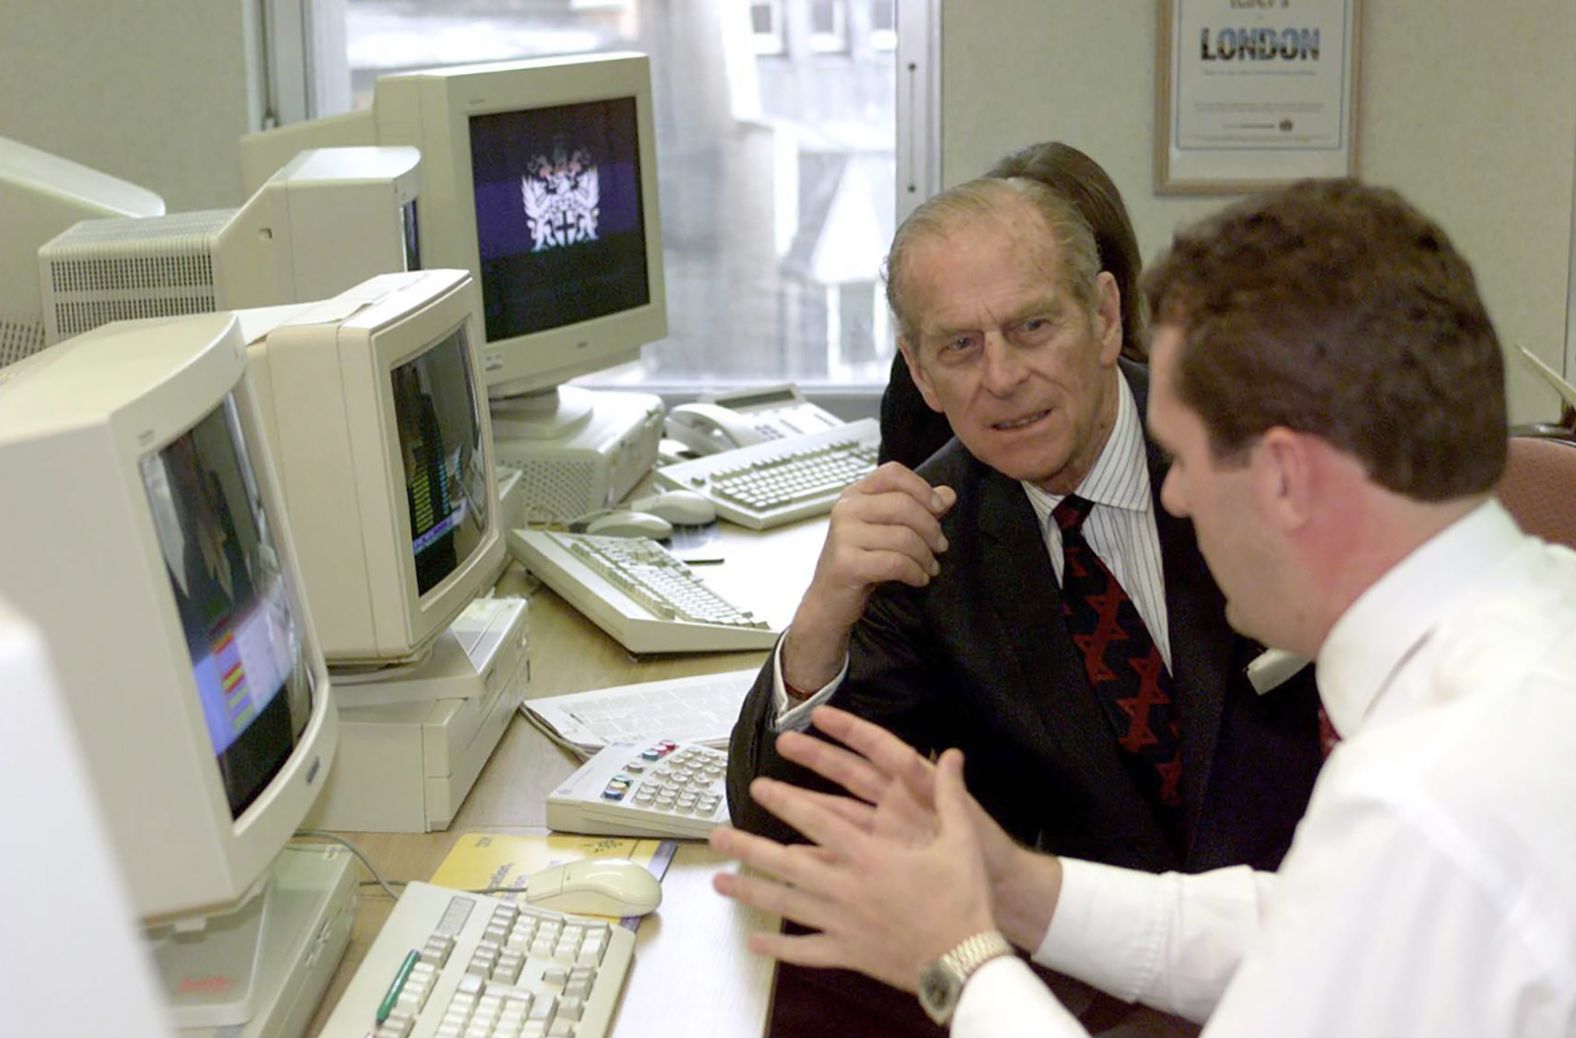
699 709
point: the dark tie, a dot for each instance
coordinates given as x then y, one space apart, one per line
1126 672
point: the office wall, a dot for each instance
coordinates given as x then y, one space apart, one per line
1467 108
156 92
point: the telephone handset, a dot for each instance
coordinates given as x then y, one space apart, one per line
709 428
742 418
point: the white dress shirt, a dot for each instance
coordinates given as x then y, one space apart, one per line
1431 886
1120 529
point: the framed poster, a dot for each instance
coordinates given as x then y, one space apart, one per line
1252 93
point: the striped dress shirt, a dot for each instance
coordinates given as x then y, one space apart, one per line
1121 526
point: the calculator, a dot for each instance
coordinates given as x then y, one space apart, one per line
658 788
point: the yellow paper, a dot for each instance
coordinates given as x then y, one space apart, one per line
482 860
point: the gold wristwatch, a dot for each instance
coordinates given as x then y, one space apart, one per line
941 984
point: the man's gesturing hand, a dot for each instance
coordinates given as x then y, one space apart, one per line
886 907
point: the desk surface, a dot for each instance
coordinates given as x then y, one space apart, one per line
691 963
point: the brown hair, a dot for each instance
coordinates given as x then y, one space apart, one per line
1084 183
992 198
1337 309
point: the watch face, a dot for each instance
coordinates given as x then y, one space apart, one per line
938 992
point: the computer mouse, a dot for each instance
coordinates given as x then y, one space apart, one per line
679 507
630 524
596 886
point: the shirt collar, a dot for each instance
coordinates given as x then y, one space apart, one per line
1394 616
1119 477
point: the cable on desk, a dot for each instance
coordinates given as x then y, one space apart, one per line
319 834
377 877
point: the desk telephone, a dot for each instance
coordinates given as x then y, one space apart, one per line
742 418
653 788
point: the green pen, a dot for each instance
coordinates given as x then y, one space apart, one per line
387 1005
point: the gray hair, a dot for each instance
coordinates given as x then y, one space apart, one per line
990 198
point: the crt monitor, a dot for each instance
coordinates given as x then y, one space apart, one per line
150 548
329 219
541 180
70 901
376 415
150 551
40 196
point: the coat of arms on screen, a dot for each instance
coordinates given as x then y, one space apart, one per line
561 199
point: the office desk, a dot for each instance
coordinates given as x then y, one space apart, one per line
691 968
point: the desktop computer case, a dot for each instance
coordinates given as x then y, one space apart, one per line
407 767
596 466
122 268
311 915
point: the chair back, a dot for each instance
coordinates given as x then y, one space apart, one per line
1539 487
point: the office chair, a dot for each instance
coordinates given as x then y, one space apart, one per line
1539 487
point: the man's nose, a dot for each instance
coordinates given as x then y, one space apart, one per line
1004 368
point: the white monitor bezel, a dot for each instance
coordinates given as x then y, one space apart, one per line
432 110
455 308
324 372
127 390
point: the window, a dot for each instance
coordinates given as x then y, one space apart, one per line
766 25
883 25
777 139
828 26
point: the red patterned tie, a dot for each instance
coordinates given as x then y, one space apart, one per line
1328 736
1126 672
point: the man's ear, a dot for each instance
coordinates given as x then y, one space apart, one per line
1108 312
1284 478
917 372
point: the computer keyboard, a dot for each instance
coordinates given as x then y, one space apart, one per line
638 592
768 484
656 787
482 967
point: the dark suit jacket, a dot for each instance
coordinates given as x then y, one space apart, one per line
980 659
910 430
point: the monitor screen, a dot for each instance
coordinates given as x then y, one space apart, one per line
440 441
561 234
410 234
230 591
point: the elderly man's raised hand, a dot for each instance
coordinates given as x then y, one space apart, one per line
886 527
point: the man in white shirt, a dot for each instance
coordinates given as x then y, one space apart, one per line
1330 386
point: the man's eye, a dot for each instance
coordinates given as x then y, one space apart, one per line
958 343
1034 328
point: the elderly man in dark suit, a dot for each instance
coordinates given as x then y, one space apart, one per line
1021 596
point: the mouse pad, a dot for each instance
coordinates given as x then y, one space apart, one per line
483 860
